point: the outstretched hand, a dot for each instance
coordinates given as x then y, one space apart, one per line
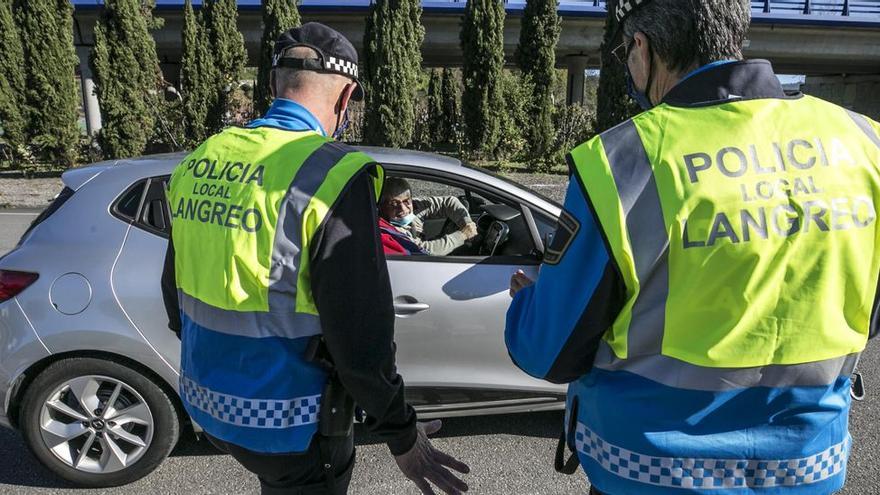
519 281
423 464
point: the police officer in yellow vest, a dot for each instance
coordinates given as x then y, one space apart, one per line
713 278
276 283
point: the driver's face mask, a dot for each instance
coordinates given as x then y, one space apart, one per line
404 220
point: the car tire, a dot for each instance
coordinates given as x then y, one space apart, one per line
54 407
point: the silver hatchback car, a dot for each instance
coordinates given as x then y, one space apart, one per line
89 369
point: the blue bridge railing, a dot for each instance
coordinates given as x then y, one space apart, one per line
818 7
854 12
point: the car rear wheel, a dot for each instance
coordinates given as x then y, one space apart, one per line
98 423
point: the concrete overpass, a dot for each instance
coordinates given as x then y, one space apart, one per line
831 39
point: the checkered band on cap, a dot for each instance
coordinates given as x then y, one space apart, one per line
710 474
254 413
343 66
625 7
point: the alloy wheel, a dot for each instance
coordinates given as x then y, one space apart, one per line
96 424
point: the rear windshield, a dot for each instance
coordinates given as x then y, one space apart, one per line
59 200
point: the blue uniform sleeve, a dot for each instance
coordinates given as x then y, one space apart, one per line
555 326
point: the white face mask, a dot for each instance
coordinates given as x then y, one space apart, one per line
404 221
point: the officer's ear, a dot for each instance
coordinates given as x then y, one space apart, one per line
345 97
639 60
272 83
641 49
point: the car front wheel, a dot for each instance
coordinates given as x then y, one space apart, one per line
98 423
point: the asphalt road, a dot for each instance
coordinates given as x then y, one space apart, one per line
13 223
509 454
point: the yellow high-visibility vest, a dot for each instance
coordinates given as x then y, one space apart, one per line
245 207
740 250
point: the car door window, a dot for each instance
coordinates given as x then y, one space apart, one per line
503 231
145 206
126 206
154 212
545 225
423 192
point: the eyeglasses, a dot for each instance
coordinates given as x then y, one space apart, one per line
397 203
621 52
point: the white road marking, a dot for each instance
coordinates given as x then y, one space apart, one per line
23 214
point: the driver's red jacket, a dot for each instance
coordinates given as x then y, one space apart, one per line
396 242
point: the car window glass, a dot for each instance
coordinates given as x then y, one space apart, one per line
425 188
127 204
154 212
427 195
546 226
145 206
502 228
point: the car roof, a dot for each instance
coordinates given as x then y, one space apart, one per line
133 169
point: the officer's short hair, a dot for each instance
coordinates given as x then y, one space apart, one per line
394 186
683 32
296 79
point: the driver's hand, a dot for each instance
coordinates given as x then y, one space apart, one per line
424 464
519 281
469 230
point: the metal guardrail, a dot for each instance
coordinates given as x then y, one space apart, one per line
763 8
841 7
805 7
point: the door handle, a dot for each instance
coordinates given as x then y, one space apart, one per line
408 305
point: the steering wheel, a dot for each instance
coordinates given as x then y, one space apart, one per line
496 234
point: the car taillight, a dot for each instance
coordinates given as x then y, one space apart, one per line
13 282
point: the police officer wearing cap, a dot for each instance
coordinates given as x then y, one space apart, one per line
276 283
713 277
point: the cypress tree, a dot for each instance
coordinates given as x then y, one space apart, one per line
536 57
613 104
227 43
127 77
482 44
198 77
449 100
392 70
435 109
50 88
12 68
278 17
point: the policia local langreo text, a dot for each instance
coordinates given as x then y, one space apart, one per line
213 208
782 219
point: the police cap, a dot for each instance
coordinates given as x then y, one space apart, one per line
336 55
624 9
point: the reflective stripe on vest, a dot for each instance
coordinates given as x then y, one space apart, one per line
252 413
684 472
245 206
746 237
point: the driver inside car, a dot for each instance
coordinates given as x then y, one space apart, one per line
402 220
